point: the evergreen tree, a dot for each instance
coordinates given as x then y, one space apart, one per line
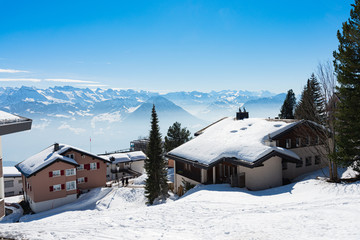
347 67
287 109
176 136
155 166
311 104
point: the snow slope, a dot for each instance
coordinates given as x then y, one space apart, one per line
310 209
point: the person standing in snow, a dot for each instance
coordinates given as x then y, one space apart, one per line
123 181
126 181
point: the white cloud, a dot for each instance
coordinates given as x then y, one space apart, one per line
92 85
20 80
106 117
12 71
74 130
66 80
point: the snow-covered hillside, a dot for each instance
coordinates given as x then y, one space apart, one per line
310 209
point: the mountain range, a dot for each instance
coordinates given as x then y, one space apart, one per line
78 103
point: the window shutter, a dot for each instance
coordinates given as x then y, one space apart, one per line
62 186
30 189
50 174
85 179
98 165
87 166
62 172
51 188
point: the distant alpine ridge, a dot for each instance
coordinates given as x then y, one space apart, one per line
78 103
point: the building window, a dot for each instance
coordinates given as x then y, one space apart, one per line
277 143
70 156
93 166
317 160
9 184
307 141
70 172
56 173
70 185
298 142
299 165
187 167
308 161
9 194
317 140
20 181
284 165
80 167
127 164
83 156
288 143
81 180
57 187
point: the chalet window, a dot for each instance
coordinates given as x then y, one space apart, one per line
70 172
298 142
81 180
80 167
9 194
277 143
299 165
9 183
288 143
93 166
56 187
187 167
317 160
19 181
83 156
317 140
56 173
307 141
308 161
70 156
70 185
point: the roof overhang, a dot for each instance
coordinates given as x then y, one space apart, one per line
16 126
235 161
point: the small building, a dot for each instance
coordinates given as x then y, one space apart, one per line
56 175
124 164
139 145
252 153
12 182
9 123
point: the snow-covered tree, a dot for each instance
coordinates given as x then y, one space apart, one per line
287 109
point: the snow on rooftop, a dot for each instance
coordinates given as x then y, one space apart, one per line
127 157
11 172
43 159
7 117
240 139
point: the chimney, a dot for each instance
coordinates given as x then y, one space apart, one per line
242 114
56 147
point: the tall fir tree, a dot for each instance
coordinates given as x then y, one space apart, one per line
347 67
311 104
287 109
155 166
176 136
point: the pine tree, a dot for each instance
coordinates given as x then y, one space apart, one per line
155 166
287 109
311 104
347 67
176 136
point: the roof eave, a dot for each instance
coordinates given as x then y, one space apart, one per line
14 127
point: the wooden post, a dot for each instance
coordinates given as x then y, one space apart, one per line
214 175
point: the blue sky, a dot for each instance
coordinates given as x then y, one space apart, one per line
167 45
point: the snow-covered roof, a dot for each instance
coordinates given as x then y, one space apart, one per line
7 117
127 156
238 139
46 157
11 172
10 123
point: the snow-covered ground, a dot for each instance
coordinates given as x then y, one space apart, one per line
309 209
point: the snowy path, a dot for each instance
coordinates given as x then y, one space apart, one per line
311 209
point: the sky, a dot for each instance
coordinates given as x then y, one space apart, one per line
167 45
